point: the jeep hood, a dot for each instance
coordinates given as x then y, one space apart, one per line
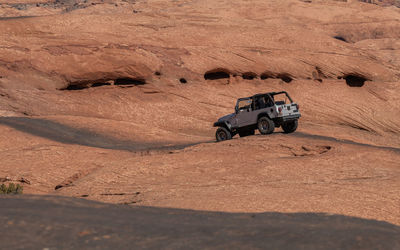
226 118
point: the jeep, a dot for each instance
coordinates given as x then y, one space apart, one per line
264 112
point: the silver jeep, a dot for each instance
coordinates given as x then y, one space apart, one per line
264 112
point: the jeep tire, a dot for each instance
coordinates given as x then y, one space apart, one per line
290 126
223 134
265 125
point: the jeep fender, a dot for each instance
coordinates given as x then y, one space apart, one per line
263 114
224 124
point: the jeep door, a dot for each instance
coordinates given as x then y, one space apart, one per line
244 112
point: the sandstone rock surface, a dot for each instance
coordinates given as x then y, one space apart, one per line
114 101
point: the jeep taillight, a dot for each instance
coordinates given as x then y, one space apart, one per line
280 109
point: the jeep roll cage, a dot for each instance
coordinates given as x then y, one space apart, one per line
269 95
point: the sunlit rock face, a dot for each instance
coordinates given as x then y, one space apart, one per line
101 98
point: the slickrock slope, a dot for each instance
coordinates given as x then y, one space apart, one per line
114 101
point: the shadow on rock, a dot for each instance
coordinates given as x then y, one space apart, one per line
61 222
332 139
65 134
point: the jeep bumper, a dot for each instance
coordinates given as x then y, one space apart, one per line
288 118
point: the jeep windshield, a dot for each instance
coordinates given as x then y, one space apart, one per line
244 104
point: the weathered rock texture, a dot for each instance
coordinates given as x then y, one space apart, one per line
99 98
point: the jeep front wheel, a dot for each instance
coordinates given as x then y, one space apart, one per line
223 134
290 127
265 125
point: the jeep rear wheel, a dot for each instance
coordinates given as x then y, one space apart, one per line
223 134
290 127
265 125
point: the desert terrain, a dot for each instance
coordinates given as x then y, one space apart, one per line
114 101
56 222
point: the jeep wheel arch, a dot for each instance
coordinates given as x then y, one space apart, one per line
262 115
223 124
